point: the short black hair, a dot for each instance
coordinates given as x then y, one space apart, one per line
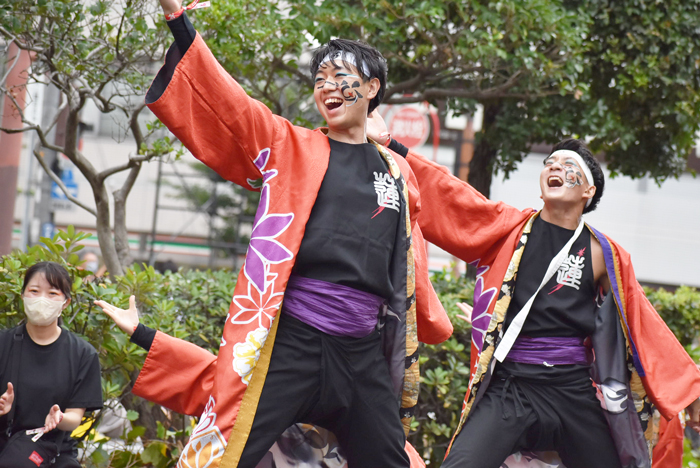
581 148
368 59
56 275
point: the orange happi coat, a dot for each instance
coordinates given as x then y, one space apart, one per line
245 143
457 218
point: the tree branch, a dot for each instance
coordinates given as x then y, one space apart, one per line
52 175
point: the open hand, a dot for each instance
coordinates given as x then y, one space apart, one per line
7 399
376 128
53 419
466 310
126 320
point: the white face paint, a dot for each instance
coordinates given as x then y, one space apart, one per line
572 174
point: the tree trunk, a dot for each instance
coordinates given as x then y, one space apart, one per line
104 232
121 235
485 152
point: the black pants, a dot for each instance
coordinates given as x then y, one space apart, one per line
518 414
341 384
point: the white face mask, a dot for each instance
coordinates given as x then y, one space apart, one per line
42 311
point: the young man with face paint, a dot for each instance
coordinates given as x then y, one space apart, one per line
549 287
328 310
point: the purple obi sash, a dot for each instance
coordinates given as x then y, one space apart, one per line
332 308
549 351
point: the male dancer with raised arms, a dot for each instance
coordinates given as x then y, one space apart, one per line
334 236
540 275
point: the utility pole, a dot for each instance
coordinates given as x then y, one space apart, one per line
44 209
11 143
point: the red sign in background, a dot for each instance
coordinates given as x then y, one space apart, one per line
410 127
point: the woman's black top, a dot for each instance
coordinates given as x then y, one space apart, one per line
65 372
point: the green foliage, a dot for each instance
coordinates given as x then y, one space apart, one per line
680 310
691 458
444 374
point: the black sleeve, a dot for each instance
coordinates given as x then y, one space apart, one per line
87 389
143 336
184 35
183 32
397 147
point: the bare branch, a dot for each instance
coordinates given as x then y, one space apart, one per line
60 183
14 64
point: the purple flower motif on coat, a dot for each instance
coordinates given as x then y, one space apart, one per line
264 250
480 314
260 162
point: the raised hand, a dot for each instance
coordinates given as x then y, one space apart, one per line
170 6
54 417
7 399
376 128
467 310
126 320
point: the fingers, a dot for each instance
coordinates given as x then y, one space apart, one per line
6 400
53 418
132 302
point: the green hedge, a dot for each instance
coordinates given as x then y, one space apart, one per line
193 305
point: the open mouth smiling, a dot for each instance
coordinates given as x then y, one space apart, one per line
333 103
555 181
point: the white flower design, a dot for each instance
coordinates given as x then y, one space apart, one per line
246 354
257 305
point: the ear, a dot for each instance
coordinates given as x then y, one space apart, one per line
589 193
374 86
66 304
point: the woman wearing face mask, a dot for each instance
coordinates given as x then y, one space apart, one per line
58 376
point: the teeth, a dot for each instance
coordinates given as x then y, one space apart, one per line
555 178
333 101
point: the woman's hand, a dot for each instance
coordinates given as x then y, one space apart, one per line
376 128
170 6
126 320
54 417
467 310
7 399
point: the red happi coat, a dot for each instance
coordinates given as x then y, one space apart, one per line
245 143
457 218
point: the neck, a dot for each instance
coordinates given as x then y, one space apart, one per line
562 217
354 136
44 335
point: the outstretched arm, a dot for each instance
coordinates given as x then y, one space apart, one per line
208 111
454 216
182 384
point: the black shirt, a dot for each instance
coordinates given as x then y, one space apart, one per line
65 372
561 309
349 238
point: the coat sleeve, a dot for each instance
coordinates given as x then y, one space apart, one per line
669 375
457 218
177 374
209 112
433 324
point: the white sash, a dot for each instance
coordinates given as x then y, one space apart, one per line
517 324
